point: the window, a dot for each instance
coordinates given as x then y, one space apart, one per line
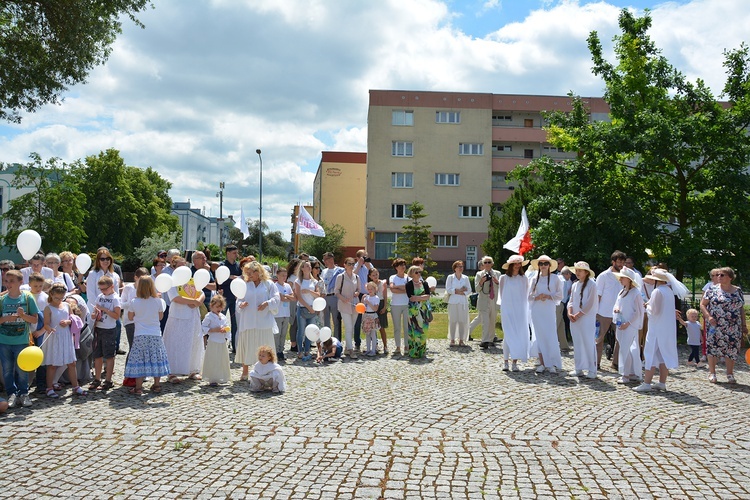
385 245
498 181
400 211
528 153
552 149
447 117
402 180
403 118
402 149
502 148
447 179
470 211
506 118
445 240
467 148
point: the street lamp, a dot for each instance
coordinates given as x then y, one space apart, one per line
260 219
220 195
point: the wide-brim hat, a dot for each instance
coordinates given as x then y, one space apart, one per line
544 258
629 274
656 275
515 259
584 266
566 269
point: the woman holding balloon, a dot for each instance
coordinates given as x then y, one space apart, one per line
257 301
306 291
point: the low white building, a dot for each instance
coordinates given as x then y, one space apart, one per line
197 227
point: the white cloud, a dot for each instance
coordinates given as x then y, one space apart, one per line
205 84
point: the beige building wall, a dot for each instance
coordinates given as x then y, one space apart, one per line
339 194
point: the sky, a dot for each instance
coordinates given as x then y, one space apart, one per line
208 82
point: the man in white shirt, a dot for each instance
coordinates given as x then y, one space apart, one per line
36 265
328 275
607 287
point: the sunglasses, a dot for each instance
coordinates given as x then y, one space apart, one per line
544 264
105 258
720 275
487 263
417 272
348 263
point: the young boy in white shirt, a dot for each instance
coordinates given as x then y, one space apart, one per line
106 313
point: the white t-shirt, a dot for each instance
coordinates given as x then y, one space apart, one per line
128 294
109 302
46 272
284 289
693 333
146 317
399 299
607 287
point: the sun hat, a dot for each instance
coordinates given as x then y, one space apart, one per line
584 266
566 269
629 274
515 259
657 275
544 258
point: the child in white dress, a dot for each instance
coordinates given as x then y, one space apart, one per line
266 374
216 326
370 321
58 348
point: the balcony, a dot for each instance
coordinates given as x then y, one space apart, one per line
508 164
501 195
518 134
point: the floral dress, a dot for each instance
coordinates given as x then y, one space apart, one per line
726 308
420 315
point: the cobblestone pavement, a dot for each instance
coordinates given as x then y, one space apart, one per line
450 426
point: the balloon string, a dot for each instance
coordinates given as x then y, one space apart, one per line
46 337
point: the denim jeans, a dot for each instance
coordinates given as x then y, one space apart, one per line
302 339
16 380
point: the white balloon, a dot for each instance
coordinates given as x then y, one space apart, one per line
319 304
432 282
181 275
83 262
201 278
163 305
28 242
239 288
222 274
312 332
325 334
163 282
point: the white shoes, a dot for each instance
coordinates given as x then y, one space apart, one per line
552 369
576 373
623 380
660 386
505 366
540 369
644 387
514 367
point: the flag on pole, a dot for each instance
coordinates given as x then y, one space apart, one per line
521 243
243 224
307 225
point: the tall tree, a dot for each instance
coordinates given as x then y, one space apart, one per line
54 206
333 242
46 46
416 238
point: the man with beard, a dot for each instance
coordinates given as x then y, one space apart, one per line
607 287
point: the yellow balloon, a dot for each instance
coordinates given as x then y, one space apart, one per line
30 358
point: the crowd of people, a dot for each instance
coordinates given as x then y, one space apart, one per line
191 333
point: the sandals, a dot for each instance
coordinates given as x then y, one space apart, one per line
94 385
156 388
712 378
57 387
173 379
243 378
731 379
136 391
52 394
195 376
107 385
80 391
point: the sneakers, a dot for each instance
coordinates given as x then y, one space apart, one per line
644 387
660 386
514 367
13 401
540 369
397 352
623 380
353 354
576 373
25 400
552 369
505 366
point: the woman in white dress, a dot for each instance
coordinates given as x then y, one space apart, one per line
256 315
545 292
660 350
514 308
458 288
628 318
582 313
183 334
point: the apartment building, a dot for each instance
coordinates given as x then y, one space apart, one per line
339 192
451 151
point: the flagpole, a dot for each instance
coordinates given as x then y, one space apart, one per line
260 221
296 233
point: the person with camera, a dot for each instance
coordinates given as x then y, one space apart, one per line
486 282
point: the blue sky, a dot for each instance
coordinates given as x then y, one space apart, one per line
206 83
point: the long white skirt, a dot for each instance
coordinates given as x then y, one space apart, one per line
545 327
216 363
248 342
183 340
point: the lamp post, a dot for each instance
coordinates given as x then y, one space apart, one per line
260 219
220 195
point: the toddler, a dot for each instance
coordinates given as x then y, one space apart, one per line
216 326
693 336
266 374
370 321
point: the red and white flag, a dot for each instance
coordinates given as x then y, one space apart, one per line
521 243
307 225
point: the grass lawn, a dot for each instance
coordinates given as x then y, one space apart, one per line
439 327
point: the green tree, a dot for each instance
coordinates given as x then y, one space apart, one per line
217 253
333 241
123 203
504 220
416 237
274 244
151 244
54 207
46 46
